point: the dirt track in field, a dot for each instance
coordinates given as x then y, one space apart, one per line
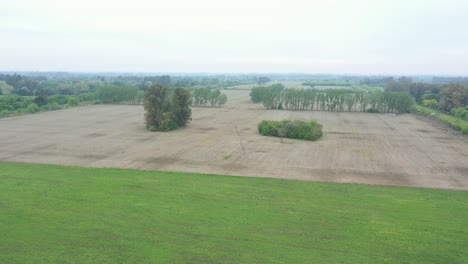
356 147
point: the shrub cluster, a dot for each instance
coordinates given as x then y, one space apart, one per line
291 129
461 112
14 104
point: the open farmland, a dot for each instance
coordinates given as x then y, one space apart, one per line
356 147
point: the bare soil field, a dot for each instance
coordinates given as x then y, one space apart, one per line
356 147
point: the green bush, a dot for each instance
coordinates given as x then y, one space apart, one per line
48 107
461 112
295 129
32 108
57 98
73 101
430 102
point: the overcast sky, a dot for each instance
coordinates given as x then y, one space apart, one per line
355 37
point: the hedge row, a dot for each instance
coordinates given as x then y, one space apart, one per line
295 129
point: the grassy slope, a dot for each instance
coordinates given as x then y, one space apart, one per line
453 121
55 214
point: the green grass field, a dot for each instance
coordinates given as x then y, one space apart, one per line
56 214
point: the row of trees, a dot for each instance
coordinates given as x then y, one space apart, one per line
204 97
133 95
339 100
166 109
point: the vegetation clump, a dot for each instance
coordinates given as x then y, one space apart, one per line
166 109
205 96
265 93
295 129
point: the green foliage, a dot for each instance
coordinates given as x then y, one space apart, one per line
205 96
181 111
455 95
295 129
88 97
430 102
460 112
265 93
58 98
40 100
338 100
60 214
32 108
50 106
73 101
455 122
166 111
14 104
119 94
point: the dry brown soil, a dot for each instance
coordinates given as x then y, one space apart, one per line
356 147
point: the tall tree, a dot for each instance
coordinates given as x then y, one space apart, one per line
181 110
157 104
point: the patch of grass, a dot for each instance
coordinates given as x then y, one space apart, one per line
453 121
56 214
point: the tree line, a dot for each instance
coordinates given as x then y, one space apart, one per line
334 100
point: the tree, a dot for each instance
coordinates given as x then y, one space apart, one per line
165 109
181 110
222 100
157 104
214 95
455 95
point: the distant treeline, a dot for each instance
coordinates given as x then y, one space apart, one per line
74 84
134 95
326 83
